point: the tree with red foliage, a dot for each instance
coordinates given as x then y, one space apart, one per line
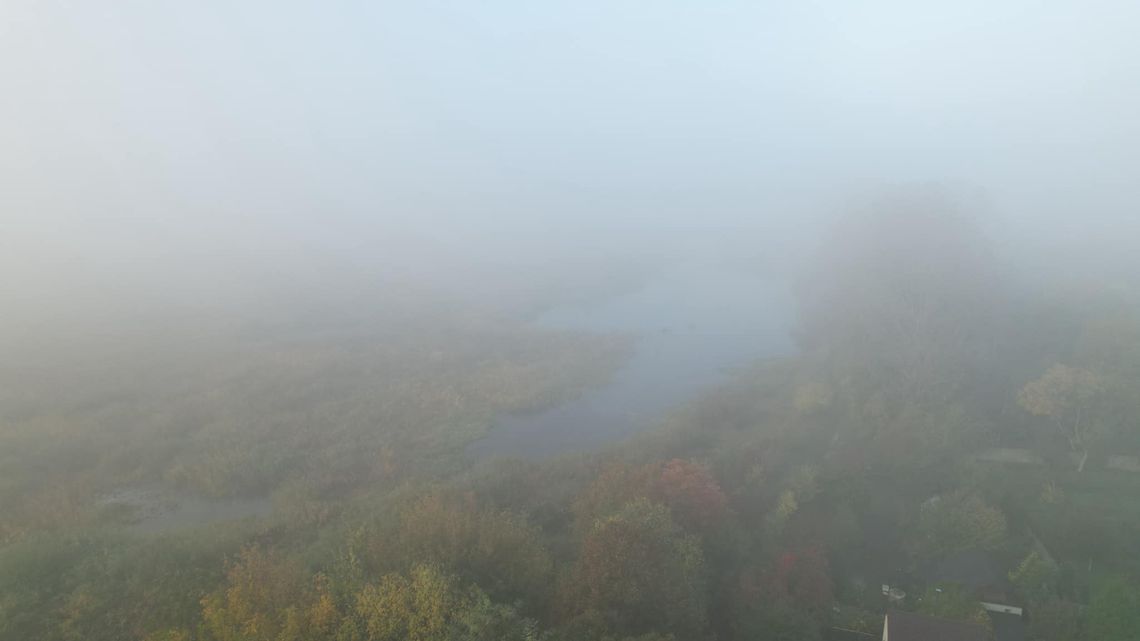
692 494
800 577
694 498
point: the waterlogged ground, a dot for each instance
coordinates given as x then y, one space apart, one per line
155 511
693 325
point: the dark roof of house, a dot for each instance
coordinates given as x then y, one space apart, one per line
971 568
843 634
976 570
908 626
1007 627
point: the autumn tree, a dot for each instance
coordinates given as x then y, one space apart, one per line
1068 397
686 487
801 577
800 488
781 598
959 521
430 605
614 486
254 605
641 573
1036 577
498 550
413 608
483 620
691 493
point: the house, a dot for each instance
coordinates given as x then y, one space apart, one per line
908 626
976 571
1007 627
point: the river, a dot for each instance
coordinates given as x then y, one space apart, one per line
693 325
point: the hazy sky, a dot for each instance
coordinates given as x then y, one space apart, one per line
192 142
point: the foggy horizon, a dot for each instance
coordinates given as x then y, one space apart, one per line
215 154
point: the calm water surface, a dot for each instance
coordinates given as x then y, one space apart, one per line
694 325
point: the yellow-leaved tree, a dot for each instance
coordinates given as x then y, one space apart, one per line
1068 396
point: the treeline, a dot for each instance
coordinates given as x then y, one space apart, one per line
773 508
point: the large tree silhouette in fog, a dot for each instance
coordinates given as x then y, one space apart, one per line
896 320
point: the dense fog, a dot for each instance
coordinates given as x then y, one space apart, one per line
569 321
219 154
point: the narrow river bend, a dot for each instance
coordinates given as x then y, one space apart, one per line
693 325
